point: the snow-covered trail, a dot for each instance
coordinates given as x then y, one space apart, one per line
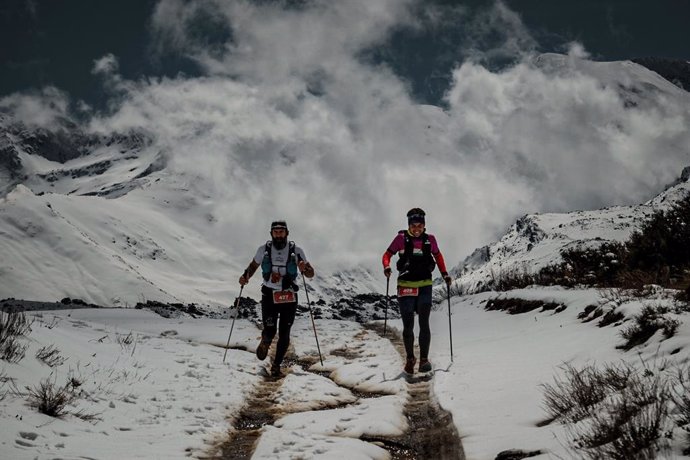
359 404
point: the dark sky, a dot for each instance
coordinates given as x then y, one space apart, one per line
49 42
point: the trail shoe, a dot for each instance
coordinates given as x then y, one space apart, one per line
275 371
262 350
409 365
424 365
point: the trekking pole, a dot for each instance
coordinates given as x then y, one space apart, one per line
450 328
313 324
237 310
385 315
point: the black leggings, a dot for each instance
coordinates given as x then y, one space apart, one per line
423 311
420 304
277 318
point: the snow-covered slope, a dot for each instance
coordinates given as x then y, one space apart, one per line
107 218
536 241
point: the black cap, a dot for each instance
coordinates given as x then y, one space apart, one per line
279 224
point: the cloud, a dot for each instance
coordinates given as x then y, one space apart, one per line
107 65
497 34
42 108
289 122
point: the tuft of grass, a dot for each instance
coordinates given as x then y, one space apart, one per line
646 324
127 341
51 399
614 412
3 381
13 326
516 306
50 355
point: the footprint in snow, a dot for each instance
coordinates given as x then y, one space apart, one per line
28 435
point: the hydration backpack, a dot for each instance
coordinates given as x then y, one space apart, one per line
290 267
415 267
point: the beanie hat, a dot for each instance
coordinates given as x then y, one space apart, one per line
415 215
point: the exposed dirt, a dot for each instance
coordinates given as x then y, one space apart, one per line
431 433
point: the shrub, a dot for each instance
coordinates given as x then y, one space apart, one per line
573 397
611 317
663 242
645 325
51 399
681 395
516 306
512 278
659 253
13 326
617 412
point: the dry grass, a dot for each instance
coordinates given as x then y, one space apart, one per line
50 355
13 326
51 399
614 412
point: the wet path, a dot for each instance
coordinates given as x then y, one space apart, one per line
430 434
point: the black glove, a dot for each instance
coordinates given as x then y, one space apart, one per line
387 272
447 278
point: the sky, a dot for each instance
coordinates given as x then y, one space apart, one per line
137 370
48 45
339 117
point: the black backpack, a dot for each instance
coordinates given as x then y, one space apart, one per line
412 267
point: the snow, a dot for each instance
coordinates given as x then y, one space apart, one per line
169 394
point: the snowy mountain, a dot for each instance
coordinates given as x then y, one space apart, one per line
113 218
99 218
536 241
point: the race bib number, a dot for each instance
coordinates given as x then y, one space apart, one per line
283 297
408 291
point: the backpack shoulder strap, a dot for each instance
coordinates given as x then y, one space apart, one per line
426 245
267 262
409 245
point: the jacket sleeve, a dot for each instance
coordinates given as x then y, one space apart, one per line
396 245
386 259
438 257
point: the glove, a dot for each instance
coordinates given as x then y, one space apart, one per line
244 279
301 265
305 268
387 272
447 278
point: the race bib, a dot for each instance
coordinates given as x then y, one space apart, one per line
408 291
283 297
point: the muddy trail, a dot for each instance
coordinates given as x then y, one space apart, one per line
431 432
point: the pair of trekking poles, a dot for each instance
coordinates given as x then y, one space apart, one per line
450 327
306 292
237 309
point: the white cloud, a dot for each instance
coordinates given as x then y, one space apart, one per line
37 108
288 122
106 65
